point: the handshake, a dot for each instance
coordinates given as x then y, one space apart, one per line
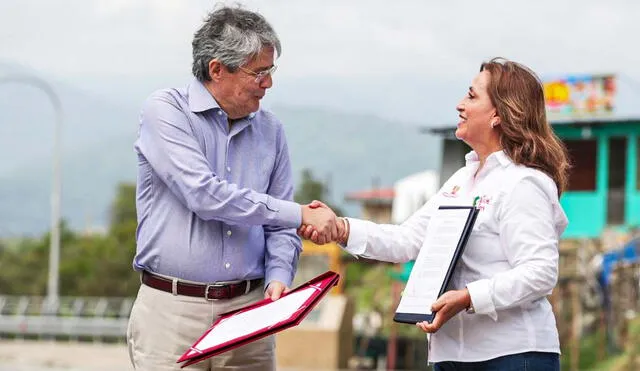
321 225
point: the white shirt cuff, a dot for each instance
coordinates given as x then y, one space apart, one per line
480 292
357 242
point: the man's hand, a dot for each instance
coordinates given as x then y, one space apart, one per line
309 233
306 231
275 290
447 306
319 223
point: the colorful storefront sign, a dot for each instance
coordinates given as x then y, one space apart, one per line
580 96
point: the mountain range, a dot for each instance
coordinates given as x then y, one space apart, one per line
349 151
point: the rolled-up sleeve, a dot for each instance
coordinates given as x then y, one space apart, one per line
528 235
167 142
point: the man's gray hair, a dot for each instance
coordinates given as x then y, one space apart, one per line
232 36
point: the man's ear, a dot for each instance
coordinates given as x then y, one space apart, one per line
216 69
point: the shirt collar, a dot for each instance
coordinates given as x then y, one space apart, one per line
201 100
499 156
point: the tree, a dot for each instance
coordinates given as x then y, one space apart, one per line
120 246
123 207
24 270
312 189
90 265
97 265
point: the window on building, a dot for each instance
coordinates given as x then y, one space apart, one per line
616 182
582 154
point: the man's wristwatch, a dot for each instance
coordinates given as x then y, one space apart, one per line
344 238
470 309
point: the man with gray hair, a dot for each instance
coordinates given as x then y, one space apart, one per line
216 224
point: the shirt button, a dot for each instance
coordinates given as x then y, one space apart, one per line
229 233
228 169
227 265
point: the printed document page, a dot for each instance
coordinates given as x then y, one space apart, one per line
428 274
259 318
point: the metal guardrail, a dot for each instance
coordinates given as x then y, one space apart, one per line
71 317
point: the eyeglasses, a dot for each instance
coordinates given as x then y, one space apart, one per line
260 76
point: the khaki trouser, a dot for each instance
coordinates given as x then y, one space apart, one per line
162 326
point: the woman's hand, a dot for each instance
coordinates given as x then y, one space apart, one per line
447 306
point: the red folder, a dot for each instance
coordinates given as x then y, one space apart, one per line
255 321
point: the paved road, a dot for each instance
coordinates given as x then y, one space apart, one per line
68 356
50 356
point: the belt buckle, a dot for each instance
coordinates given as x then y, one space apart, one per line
213 285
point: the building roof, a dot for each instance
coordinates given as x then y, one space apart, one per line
595 120
587 121
378 195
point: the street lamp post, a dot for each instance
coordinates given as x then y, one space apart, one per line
56 188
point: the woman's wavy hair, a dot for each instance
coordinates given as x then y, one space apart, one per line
525 134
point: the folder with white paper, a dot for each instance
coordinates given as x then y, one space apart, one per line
446 237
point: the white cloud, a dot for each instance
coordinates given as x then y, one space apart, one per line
419 50
332 37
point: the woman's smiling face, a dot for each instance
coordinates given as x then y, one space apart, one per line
477 113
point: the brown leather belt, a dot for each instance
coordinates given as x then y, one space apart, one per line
214 291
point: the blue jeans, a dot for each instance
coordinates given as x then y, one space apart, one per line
529 361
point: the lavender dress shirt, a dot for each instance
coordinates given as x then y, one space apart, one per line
213 200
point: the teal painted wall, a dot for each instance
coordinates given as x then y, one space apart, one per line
587 211
632 211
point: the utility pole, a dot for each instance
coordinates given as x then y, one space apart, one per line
56 187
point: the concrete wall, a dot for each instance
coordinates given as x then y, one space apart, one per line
453 151
377 213
324 341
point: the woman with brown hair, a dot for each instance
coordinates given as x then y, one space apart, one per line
496 317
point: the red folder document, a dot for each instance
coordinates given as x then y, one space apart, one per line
264 318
